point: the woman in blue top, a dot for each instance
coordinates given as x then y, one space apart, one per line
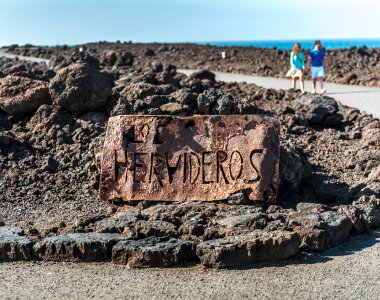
297 66
318 66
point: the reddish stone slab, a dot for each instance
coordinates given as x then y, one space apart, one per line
174 158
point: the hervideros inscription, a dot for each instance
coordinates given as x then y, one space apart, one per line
174 158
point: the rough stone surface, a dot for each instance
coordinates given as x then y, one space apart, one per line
14 246
144 158
153 252
321 110
117 225
76 247
80 88
21 95
320 229
255 247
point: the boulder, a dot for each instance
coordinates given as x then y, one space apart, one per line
371 134
364 216
14 246
21 95
321 110
153 252
257 246
119 58
47 116
79 88
293 168
320 231
149 52
77 247
204 74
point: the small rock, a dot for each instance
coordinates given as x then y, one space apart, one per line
155 228
224 104
171 108
51 164
117 225
246 220
153 252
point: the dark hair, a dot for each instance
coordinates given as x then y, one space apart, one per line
317 42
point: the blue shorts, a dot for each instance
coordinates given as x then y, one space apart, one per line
317 72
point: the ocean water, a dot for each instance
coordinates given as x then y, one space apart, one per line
306 44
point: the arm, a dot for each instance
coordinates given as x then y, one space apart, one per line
308 63
291 61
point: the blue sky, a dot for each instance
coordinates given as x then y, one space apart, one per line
77 21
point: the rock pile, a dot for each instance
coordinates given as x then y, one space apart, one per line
52 127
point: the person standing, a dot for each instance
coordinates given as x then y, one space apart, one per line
318 66
297 66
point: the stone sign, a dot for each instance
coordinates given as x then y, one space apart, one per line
175 158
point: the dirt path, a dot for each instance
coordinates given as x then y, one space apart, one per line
364 98
351 271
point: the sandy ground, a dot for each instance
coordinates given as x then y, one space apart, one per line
364 98
350 271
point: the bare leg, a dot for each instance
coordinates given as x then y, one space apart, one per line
302 82
314 85
321 85
294 83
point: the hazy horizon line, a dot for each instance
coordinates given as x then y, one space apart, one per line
194 42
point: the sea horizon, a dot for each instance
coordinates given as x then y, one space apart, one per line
267 44
306 43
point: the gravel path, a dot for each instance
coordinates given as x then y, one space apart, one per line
29 58
364 98
351 271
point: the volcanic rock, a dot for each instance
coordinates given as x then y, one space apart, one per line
293 168
139 91
47 116
321 110
153 252
255 247
224 105
171 108
14 246
79 88
155 228
77 247
320 231
21 95
117 225
204 74
364 216
112 58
